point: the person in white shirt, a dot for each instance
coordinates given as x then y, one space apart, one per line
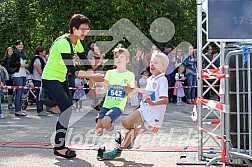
151 112
18 64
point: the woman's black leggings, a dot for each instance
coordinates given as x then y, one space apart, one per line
59 92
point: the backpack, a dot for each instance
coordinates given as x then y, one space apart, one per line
3 74
32 63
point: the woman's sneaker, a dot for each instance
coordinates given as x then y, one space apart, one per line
43 113
20 114
1 116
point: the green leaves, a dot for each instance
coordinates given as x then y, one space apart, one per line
38 22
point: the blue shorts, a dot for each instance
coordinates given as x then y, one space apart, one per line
113 113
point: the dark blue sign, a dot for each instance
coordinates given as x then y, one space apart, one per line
229 20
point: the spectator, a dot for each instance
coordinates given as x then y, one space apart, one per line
134 101
190 60
143 82
5 63
36 68
179 58
97 62
138 64
18 64
3 78
149 55
179 90
170 73
91 46
209 55
79 94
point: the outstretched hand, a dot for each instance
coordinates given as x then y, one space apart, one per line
128 89
97 77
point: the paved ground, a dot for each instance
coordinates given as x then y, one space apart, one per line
26 141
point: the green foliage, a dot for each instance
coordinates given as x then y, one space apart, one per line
39 22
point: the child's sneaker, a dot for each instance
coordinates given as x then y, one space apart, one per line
119 138
1 116
116 152
100 154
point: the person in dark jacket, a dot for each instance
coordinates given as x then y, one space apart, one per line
5 62
18 65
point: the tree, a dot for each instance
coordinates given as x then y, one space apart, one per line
39 22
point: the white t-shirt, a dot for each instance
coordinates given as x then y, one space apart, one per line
22 70
154 115
179 76
36 76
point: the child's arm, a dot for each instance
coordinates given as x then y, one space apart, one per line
104 84
103 89
132 91
163 100
163 94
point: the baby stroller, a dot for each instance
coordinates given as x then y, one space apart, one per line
29 95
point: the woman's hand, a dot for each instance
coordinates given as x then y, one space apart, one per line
100 90
24 65
97 77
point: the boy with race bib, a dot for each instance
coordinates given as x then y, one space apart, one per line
150 115
114 86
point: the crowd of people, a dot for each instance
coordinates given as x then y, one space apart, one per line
140 76
180 72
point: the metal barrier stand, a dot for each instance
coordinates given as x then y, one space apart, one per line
240 154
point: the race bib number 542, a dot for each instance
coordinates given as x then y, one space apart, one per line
116 92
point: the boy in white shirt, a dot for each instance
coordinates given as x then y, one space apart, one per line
152 109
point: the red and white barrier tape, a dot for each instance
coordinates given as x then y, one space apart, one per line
214 105
223 152
210 103
205 86
219 70
34 87
216 122
210 133
217 73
